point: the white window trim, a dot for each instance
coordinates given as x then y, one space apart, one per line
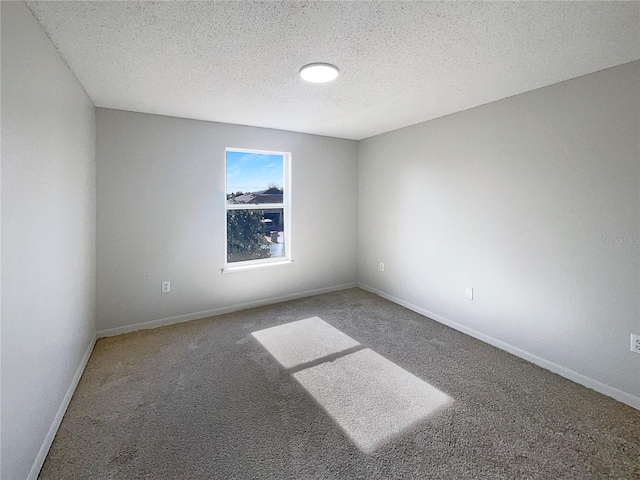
285 205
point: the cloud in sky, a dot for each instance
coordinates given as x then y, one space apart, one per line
252 172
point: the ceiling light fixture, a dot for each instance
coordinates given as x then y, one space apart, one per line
319 72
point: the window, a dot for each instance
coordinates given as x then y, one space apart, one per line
257 208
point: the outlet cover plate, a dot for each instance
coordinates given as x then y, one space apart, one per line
635 343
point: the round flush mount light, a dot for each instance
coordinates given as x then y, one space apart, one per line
319 72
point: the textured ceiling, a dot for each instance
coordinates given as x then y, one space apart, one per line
401 62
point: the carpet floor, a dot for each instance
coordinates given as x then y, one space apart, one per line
205 400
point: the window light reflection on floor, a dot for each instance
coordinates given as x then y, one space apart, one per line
372 399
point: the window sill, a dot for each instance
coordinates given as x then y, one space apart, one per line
254 266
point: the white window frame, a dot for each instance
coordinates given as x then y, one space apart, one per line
285 205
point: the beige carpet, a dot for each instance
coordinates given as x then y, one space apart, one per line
206 399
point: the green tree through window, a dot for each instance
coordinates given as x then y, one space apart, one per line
245 236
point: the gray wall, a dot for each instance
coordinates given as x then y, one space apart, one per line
48 238
160 216
517 199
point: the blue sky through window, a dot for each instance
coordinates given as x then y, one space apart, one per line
253 172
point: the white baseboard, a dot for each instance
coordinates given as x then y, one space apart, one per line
48 440
583 380
218 311
600 387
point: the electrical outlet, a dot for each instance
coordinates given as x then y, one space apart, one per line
381 267
165 287
635 343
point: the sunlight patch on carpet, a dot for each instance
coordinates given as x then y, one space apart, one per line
301 342
372 399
